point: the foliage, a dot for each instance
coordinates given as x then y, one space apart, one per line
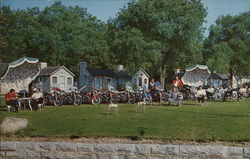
156 35
171 28
59 35
132 49
227 48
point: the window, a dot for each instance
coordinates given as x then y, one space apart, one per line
69 80
40 79
140 81
145 81
54 79
134 80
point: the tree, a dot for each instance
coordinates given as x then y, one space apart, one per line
132 49
227 48
57 34
174 25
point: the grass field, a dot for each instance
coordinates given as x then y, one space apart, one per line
223 121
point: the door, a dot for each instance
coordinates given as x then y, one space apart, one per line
61 82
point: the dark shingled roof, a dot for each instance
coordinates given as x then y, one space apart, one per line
224 76
215 76
123 74
49 70
101 72
3 68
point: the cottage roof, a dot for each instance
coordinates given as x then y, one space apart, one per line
224 76
215 76
51 70
144 72
101 72
3 68
122 74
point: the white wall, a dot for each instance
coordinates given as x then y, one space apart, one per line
140 75
62 80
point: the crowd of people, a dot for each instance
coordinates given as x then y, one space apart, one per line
175 95
211 93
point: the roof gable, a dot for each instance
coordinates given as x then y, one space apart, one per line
143 71
52 70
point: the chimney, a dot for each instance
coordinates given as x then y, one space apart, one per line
43 65
177 70
119 68
82 75
83 66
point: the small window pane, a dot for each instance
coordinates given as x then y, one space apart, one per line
54 79
140 81
70 81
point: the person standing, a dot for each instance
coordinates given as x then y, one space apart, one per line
177 82
11 99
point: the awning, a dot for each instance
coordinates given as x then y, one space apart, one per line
20 62
196 75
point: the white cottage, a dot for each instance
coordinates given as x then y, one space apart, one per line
141 79
56 76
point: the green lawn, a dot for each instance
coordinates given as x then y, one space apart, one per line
225 121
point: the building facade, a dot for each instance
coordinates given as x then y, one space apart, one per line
141 79
97 78
54 77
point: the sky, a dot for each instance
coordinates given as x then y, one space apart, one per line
106 9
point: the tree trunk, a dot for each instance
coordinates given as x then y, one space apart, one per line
230 82
163 75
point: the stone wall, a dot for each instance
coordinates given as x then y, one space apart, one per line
63 150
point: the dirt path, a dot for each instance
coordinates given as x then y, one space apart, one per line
113 140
